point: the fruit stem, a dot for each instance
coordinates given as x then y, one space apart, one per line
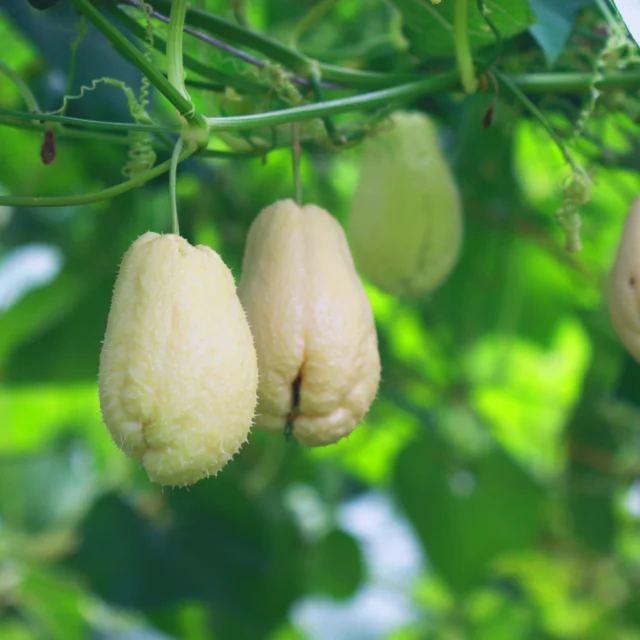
295 161
463 50
173 170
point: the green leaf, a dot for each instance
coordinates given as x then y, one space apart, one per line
336 566
127 561
429 27
211 544
554 26
54 605
69 348
629 382
45 490
37 311
15 629
592 448
466 514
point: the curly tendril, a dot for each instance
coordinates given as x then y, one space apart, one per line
141 154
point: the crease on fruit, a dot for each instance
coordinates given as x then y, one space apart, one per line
316 347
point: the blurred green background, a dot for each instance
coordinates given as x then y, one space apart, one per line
493 490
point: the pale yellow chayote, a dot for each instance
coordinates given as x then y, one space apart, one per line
178 368
312 325
624 284
405 224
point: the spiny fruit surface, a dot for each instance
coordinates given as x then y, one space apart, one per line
624 284
405 225
178 369
312 325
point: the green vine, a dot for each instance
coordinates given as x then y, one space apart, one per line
273 78
97 196
463 50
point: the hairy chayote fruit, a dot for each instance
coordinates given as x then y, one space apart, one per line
624 284
312 325
405 225
178 368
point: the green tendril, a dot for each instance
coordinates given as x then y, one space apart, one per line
83 29
617 44
141 153
577 192
577 187
84 89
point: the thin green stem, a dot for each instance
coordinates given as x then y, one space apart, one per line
401 94
555 83
89 124
463 50
89 198
497 52
172 186
608 15
575 82
329 125
62 132
23 89
566 153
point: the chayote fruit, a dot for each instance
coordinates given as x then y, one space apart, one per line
624 284
178 369
312 325
405 225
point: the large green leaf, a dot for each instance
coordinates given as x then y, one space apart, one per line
466 514
54 605
554 25
336 566
38 310
48 489
211 543
429 26
591 444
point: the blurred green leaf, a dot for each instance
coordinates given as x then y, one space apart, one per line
429 26
125 559
592 446
336 565
48 489
466 514
212 544
16 630
554 25
55 605
37 311
69 350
